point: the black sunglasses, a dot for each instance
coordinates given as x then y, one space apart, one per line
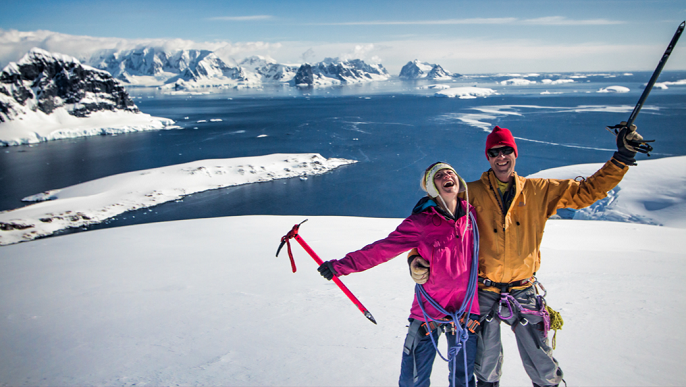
494 152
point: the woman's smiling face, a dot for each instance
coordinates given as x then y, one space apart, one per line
446 182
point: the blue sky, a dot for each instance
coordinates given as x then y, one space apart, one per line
462 36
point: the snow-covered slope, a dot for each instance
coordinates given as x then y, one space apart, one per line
653 192
48 96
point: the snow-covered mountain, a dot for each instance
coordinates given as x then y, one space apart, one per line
269 70
189 69
150 66
44 82
47 96
421 70
340 72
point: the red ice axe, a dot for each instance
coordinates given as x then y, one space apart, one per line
294 234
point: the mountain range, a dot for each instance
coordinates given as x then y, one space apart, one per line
182 69
43 82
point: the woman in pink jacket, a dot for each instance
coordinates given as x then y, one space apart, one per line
443 228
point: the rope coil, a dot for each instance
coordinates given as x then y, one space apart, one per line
461 332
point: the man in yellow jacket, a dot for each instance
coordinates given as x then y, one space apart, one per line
511 215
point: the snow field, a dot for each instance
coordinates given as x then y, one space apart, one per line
206 302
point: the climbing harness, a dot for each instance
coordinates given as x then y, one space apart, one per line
460 322
551 318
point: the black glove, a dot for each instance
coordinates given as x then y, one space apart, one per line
628 143
326 270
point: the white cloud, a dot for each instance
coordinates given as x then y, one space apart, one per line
561 20
425 22
14 44
458 55
307 55
242 18
359 51
548 20
470 56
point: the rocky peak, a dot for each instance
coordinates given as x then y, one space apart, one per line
43 81
421 70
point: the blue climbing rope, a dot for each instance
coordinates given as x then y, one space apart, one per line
461 332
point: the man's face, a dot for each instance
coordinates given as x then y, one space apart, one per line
502 164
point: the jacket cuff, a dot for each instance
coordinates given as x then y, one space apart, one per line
624 159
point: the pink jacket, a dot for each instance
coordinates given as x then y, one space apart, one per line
438 240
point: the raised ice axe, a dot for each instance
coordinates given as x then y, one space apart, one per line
294 234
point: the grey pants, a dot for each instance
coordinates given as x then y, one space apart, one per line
536 354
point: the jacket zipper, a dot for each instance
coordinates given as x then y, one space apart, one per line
499 200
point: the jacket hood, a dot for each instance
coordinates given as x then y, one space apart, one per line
426 204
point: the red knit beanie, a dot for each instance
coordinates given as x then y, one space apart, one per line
500 136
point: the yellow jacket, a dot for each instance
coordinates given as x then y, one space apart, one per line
509 247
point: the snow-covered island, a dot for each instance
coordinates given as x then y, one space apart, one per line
49 96
95 201
614 89
466 92
333 71
175 303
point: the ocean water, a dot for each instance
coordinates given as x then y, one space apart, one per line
394 129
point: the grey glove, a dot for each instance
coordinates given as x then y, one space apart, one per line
419 269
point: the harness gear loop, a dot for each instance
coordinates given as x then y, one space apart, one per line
540 285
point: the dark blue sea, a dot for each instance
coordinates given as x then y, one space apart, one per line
394 129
